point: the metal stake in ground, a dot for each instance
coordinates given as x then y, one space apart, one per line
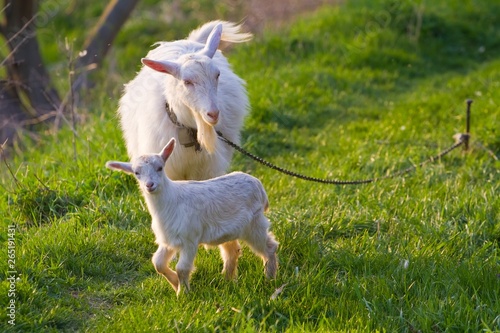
467 126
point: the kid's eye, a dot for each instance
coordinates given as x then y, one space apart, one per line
159 169
188 82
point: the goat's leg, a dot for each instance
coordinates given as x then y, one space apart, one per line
271 265
160 260
264 245
185 266
230 252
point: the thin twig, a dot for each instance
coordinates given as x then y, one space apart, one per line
5 7
39 119
2 154
14 50
66 98
489 151
41 182
71 94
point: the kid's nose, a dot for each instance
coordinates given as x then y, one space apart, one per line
150 186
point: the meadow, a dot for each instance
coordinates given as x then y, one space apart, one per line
354 91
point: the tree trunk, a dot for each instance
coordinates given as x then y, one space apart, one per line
27 78
26 72
12 112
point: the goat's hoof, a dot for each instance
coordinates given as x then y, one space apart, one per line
182 287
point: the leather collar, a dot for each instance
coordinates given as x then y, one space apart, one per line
188 136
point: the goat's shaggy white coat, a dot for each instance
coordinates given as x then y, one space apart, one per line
185 74
186 214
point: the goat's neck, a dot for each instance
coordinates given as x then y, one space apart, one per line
162 200
183 113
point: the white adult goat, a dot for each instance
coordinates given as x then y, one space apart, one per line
186 214
187 90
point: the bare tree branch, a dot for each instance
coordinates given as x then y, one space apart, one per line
20 43
101 38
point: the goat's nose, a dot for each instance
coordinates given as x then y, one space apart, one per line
213 115
150 186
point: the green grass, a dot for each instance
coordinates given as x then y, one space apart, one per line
347 93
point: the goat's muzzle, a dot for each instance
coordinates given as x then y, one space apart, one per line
212 117
151 187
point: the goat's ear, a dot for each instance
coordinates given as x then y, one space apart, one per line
167 67
167 150
120 166
213 41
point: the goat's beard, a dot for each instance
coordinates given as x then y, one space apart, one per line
207 137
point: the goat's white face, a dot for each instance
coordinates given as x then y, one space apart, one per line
147 169
197 78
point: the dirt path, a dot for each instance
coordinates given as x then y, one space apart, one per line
269 13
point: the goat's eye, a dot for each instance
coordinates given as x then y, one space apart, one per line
159 169
218 76
137 173
188 82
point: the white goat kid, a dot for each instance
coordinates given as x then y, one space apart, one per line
186 214
187 90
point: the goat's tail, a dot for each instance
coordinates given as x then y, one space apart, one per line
231 32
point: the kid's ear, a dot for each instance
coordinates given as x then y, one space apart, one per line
119 166
167 150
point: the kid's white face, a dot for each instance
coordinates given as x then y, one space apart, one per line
148 170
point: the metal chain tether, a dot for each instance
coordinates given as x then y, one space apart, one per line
461 138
